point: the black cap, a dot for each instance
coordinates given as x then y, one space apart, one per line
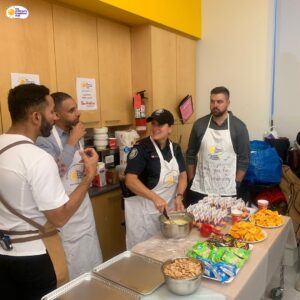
162 116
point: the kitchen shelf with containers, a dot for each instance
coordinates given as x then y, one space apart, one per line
112 148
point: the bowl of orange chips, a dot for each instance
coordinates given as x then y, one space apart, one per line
267 219
248 232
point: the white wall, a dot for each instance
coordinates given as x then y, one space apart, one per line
236 51
287 76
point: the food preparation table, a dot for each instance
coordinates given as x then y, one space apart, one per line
251 281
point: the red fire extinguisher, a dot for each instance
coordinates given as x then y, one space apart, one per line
140 111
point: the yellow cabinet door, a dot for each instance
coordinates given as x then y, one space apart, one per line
186 70
109 219
75 39
115 73
163 57
26 47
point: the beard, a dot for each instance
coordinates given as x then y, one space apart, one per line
218 113
70 125
46 127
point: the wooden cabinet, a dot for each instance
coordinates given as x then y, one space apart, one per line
186 70
115 73
109 218
75 38
26 47
164 63
163 57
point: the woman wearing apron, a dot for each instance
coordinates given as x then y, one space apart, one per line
156 178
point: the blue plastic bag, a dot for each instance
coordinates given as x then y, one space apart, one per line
265 164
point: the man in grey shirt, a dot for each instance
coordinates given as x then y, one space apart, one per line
218 152
79 235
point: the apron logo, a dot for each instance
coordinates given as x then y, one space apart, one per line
134 152
214 152
170 178
75 174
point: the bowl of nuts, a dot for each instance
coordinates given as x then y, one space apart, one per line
183 275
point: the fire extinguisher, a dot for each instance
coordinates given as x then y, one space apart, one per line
140 111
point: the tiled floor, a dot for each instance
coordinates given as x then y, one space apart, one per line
290 277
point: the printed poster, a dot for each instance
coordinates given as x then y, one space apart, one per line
22 78
86 93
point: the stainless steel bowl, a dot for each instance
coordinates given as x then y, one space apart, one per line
182 286
176 231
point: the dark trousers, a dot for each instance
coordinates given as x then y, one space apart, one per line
26 277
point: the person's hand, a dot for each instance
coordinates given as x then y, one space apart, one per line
160 204
90 159
178 204
76 133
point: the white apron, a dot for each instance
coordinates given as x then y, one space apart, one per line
216 166
79 234
141 215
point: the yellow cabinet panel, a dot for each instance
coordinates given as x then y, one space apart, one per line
186 70
26 47
163 57
115 73
109 218
75 38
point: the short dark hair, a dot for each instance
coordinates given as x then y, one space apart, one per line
25 98
220 90
58 98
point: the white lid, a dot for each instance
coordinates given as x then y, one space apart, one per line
100 136
236 212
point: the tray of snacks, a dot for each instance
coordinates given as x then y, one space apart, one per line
267 219
248 232
222 256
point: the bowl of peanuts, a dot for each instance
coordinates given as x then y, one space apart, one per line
183 275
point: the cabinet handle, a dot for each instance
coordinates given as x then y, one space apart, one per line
112 121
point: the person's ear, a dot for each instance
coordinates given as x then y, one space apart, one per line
36 117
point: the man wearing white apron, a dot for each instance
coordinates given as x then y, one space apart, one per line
218 151
156 176
79 235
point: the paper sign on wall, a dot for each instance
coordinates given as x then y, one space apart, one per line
86 93
21 78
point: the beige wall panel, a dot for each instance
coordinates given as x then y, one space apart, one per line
75 37
26 47
186 70
115 73
164 69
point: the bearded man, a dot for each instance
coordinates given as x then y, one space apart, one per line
79 236
218 152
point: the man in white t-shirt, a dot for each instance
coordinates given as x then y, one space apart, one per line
30 185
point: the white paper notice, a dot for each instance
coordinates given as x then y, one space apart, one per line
19 78
86 93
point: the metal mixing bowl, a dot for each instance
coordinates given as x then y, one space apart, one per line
176 231
182 286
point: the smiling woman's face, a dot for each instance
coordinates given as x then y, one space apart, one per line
159 132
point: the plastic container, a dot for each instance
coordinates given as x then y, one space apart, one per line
101 136
100 178
112 143
236 216
262 204
100 130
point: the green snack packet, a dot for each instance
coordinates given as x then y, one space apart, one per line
230 258
216 254
240 252
201 249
